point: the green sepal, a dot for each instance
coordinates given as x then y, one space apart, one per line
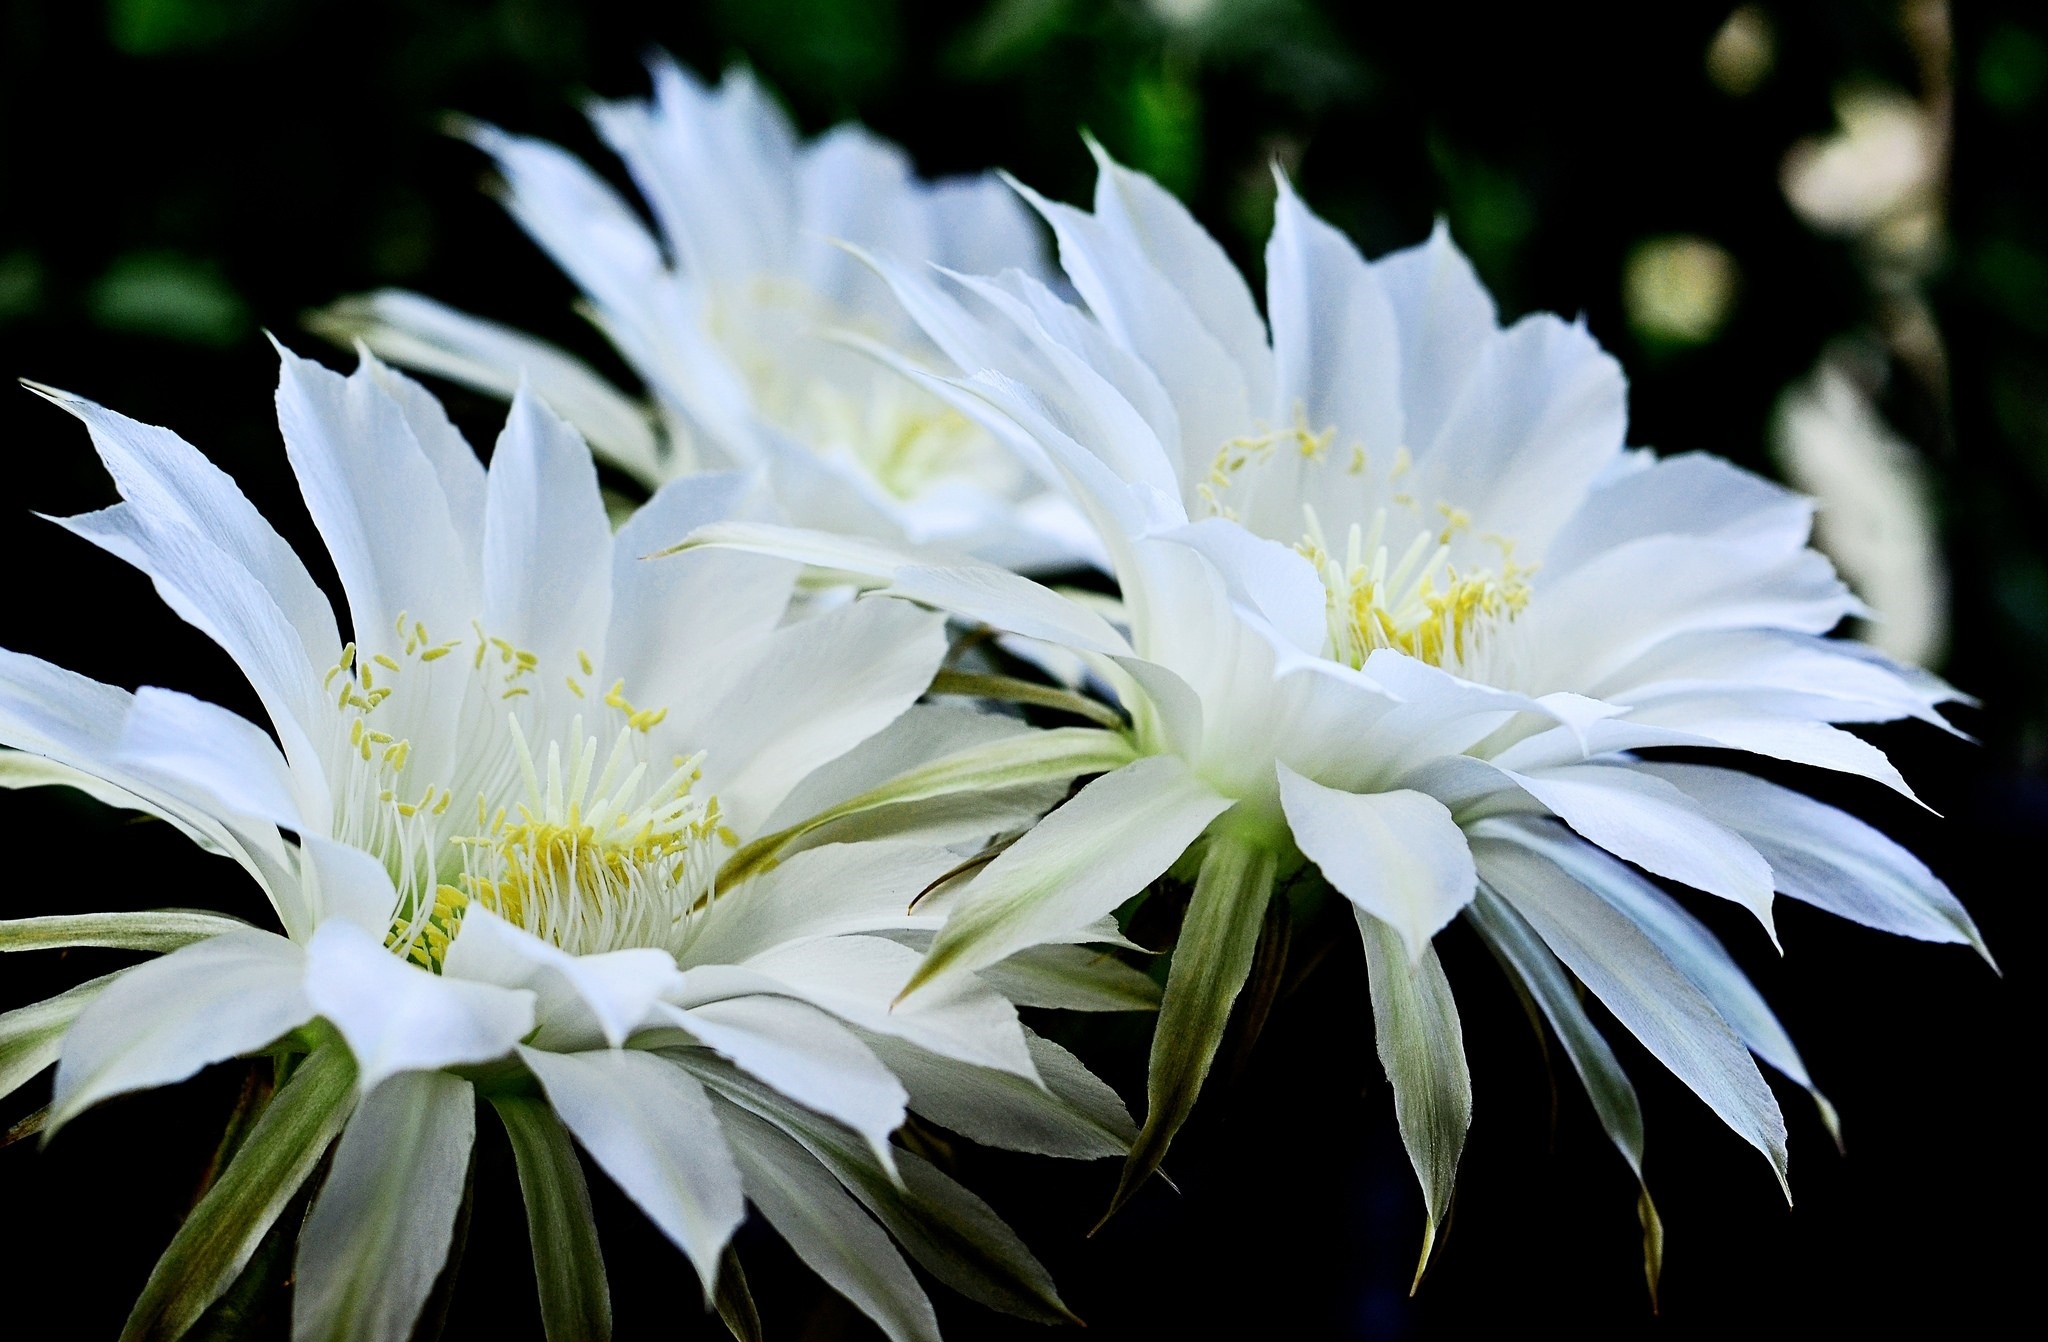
154 930
1422 1047
1211 961
1013 761
952 1233
222 1234
1011 689
31 1036
568 1264
735 1301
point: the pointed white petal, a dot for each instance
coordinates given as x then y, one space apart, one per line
417 332
377 500
1336 345
649 1125
547 556
168 480
1446 319
1647 994
1069 1113
1645 820
1827 858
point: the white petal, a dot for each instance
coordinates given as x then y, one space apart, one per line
455 461
74 721
972 591
347 883
858 979
164 1020
1649 996
685 624
605 996
1543 415
1269 578
575 216
872 887
217 596
1398 856
377 500
1446 319
1155 315
1827 858
649 1125
416 331
398 1017
1692 494
168 480
379 1233
823 686
215 752
805 1054
547 544
1646 821
1144 216
1335 342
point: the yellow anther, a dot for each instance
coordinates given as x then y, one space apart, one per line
583 660
436 654
574 688
515 692
385 662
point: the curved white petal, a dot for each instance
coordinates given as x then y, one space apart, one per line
859 980
820 687
414 330
805 1054
1445 318
1827 858
580 1001
547 553
1398 856
377 500
1115 836
1646 821
398 1017
162 1021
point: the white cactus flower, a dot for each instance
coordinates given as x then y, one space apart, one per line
495 829
736 313
1398 603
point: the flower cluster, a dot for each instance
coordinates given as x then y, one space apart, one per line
726 839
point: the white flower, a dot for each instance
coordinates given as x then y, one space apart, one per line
736 317
1400 604
492 827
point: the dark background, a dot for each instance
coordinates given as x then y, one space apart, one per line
176 175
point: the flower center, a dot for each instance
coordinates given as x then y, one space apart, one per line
1420 604
588 846
1412 579
836 399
